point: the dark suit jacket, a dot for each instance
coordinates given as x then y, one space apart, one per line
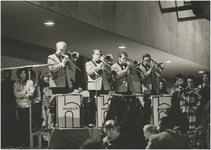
168 139
149 80
122 79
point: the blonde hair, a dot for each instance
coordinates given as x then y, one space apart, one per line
150 128
60 44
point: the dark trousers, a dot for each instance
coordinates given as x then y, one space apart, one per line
23 115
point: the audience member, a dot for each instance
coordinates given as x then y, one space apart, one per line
149 130
46 94
8 110
36 102
167 138
179 85
176 92
190 102
204 112
114 139
205 88
91 144
162 88
23 91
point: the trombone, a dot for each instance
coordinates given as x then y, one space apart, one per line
135 64
109 58
74 55
159 67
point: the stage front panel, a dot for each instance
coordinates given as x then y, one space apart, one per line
160 105
102 109
68 111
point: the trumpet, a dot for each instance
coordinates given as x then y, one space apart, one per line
69 55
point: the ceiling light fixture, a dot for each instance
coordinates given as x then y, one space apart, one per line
168 61
201 71
121 46
49 23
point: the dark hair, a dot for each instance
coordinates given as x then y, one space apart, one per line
122 53
110 124
179 76
146 55
207 73
191 77
19 71
163 90
166 123
9 72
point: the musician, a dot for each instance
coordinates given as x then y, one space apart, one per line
62 71
150 82
97 80
123 81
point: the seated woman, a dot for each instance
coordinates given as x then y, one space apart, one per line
114 139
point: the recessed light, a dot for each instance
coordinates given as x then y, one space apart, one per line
121 46
201 71
168 61
49 23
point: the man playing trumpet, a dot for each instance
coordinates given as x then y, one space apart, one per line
63 69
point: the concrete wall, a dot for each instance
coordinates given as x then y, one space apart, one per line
143 22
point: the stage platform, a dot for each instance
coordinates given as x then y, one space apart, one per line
72 138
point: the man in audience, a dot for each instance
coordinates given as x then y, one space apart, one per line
23 91
167 138
114 139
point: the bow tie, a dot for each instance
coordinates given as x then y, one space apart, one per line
124 65
97 62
